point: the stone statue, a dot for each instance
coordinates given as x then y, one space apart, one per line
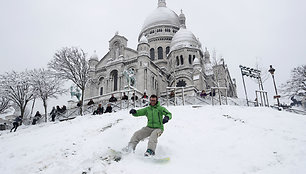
75 91
130 76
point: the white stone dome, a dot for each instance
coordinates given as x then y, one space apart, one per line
183 38
161 16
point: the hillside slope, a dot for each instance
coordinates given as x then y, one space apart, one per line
212 140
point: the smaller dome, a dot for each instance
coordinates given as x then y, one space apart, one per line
196 61
183 38
143 39
94 56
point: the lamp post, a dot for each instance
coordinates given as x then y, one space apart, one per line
272 70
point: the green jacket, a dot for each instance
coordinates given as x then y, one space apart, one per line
154 115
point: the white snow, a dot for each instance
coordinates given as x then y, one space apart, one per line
208 139
161 16
183 38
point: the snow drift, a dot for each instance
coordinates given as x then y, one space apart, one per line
206 139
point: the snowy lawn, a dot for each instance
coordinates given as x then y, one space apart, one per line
208 139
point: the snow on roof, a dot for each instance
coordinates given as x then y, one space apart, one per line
161 16
183 38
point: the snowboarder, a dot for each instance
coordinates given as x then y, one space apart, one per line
16 123
154 113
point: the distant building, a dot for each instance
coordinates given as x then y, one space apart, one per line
167 55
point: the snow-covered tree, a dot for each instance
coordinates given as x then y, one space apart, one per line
18 88
4 101
46 86
71 64
4 104
297 84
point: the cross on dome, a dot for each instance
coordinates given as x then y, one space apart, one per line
161 3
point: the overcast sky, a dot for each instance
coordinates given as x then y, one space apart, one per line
246 32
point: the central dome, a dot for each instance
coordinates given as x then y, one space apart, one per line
161 16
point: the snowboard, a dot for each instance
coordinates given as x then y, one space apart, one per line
115 155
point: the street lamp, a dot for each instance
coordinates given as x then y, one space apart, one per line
272 70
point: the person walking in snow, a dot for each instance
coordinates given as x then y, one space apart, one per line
53 113
157 116
16 123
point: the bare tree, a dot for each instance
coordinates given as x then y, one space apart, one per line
71 64
297 84
46 86
4 101
4 104
18 89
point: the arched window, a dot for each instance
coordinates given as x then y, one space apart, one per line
181 83
101 91
182 60
114 76
152 53
160 52
190 60
167 50
177 61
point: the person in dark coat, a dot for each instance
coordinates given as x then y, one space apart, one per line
16 123
171 95
203 94
36 118
108 108
53 113
134 97
212 93
91 102
79 104
99 110
113 99
63 110
58 109
124 97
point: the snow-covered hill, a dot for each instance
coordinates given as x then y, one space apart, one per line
207 139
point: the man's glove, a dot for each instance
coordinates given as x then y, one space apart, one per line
166 119
133 111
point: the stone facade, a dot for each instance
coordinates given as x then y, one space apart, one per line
168 55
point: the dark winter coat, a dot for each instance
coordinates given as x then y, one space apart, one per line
125 97
154 115
134 98
100 110
108 109
113 99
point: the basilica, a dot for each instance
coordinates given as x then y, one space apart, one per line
168 55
